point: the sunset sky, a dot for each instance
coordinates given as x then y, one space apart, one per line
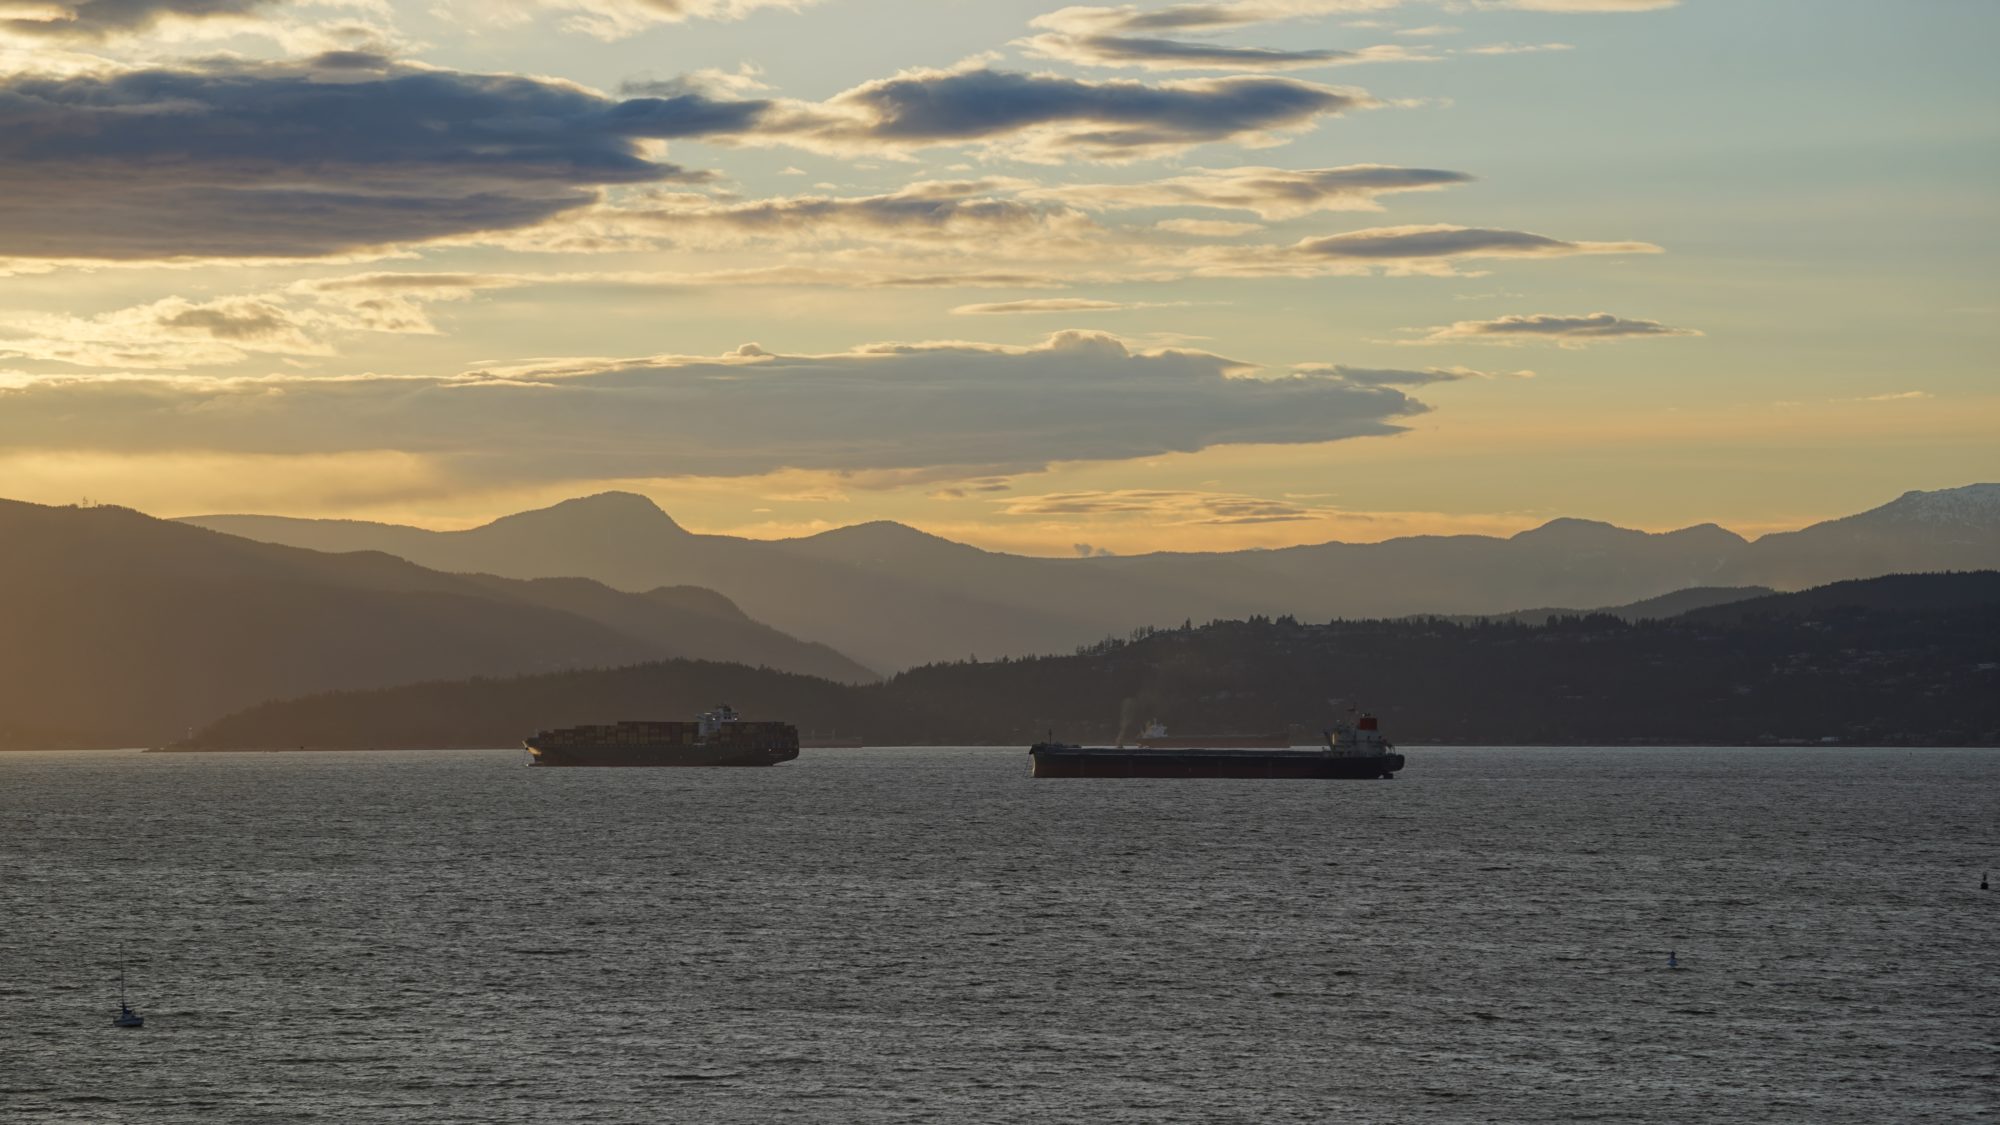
1040 278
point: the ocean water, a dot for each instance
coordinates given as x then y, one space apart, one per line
929 935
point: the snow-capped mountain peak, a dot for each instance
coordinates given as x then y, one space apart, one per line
1974 505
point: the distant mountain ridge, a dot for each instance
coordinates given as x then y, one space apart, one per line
124 629
894 597
1649 609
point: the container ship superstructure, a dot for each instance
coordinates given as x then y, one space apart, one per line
717 738
1352 751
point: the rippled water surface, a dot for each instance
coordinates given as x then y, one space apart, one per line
929 935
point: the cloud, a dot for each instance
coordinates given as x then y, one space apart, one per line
994 217
1041 225
1272 193
1116 37
928 211
970 279
1050 117
1174 54
1519 48
759 277
971 487
1173 507
1400 377
1401 251
931 410
616 19
1058 305
1898 396
1218 15
1603 6
353 153
437 286
1207 228
97 20
249 160
1199 16
60 32
1567 331
1405 243
170 334
816 277
304 319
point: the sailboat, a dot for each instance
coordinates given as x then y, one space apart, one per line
127 1018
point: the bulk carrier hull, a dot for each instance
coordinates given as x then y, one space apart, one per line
1056 760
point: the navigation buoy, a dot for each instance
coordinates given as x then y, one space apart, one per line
1982 882
1673 959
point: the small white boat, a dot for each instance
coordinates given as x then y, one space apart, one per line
127 1018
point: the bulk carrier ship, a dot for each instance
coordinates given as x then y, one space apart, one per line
718 738
1352 751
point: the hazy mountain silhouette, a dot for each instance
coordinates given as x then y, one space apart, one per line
894 597
1901 660
122 628
1648 609
886 619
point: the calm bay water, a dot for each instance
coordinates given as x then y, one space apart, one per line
929 935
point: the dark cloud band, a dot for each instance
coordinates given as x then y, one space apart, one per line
1406 243
90 20
1174 54
356 152
262 161
1109 119
1569 331
934 409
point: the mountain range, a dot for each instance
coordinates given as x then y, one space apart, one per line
893 597
1902 660
123 629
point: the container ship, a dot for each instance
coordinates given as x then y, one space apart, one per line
717 738
1355 751
1155 737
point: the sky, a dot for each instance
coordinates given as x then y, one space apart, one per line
1043 278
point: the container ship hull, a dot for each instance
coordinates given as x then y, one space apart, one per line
660 755
719 739
1078 761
